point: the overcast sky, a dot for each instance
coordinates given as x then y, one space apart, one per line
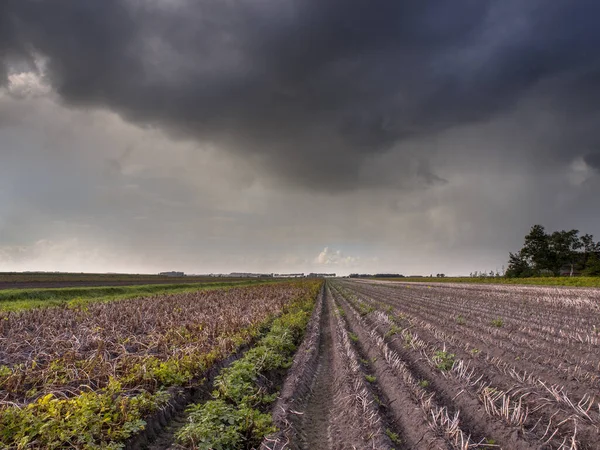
294 135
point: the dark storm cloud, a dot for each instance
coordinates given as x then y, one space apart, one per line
315 87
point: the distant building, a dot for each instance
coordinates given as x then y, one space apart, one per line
249 275
321 275
172 274
288 275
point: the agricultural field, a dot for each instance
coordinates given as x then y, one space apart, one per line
19 299
112 374
361 364
422 366
35 280
577 281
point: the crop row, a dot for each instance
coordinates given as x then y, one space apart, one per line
85 377
474 367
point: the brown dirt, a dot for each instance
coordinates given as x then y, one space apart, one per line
319 402
494 346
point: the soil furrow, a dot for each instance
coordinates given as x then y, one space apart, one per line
456 398
340 411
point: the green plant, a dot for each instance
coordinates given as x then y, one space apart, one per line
221 426
353 337
461 320
370 378
444 360
394 329
498 323
424 383
91 420
395 438
238 415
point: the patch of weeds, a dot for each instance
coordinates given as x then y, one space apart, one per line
424 383
461 320
5 371
365 309
444 360
393 436
498 323
475 351
353 337
490 441
370 378
341 311
365 362
394 329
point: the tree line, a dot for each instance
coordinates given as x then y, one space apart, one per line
557 253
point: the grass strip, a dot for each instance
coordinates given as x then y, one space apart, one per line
536 281
238 415
20 299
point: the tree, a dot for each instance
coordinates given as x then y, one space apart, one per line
592 266
589 247
537 249
518 266
563 250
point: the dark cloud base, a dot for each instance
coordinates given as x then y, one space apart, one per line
317 88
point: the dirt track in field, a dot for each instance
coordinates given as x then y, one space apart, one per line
317 413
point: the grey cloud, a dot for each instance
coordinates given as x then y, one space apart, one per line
593 160
313 88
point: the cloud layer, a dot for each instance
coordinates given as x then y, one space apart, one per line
409 134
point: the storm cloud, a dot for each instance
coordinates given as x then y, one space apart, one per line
416 115
314 88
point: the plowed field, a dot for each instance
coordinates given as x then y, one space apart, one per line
418 366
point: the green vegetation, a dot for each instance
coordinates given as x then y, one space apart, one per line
394 330
95 415
370 378
556 253
538 281
444 360
395 438
461 320
424 383
18 299
353 337
91 420
498 323
238 417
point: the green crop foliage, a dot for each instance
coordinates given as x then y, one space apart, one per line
394 437
220 425
444 360
237 417
353 337
91 420
498 323
370 378
19 299
107 417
